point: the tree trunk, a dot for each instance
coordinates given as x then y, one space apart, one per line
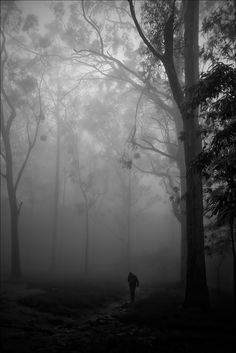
234 259
56 191
183 222
87 235
196 288
15 250
14 214
129 221
183 263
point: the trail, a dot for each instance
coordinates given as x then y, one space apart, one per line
105 331
154 323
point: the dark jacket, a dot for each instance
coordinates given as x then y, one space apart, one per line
133 280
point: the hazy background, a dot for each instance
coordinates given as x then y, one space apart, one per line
82 147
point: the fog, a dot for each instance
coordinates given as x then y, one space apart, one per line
154 231
94 148
117 169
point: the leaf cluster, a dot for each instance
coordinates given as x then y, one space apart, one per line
216 95
220 28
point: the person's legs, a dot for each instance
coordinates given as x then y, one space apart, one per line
132 294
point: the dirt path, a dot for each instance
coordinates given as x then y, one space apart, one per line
41 321
28 325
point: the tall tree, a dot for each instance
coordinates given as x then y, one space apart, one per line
21 97
196 288
57 181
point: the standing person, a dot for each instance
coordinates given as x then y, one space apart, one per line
133 283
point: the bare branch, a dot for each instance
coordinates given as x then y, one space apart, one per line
152 148
2 123
150 91
8 101
161 141
13 111
3 50
93 24
122 9
28 133
109 57
133 131
32 142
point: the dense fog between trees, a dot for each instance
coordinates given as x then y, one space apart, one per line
95 147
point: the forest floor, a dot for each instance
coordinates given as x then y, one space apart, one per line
98 318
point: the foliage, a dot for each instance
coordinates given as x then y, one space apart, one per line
155 15
217 161
219 27
215 93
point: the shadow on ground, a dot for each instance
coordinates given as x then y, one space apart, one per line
90 317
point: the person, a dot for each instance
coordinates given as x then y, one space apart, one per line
133 283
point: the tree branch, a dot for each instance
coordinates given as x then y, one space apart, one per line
12 116
31 143
110 58
167 58
145 40
169 33
93 24
151 92
152 148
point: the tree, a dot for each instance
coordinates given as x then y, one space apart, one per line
87 187
196 288
217 162
215 93
21 97
146 78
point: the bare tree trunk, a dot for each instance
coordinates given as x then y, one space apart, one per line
14 212
219 265
87 235
183 221
234 259
196 289
86 205
183 263
56 191
129 221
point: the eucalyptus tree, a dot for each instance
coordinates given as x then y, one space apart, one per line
196 288
21 115
161 23
115 57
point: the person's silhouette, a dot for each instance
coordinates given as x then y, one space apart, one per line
133 283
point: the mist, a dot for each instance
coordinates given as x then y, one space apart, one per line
111 130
